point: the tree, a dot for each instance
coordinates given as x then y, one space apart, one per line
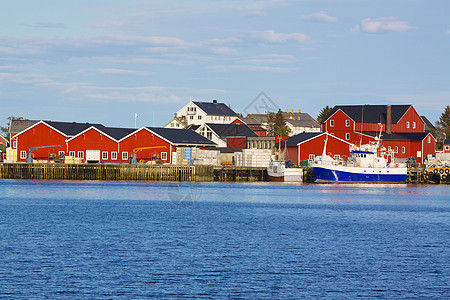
5 130
323 113
280 127
442 130
271 124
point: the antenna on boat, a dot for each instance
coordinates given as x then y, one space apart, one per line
362 124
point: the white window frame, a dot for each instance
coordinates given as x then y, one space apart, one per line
331 123
347 136
407 124
61 153
124 155
14 144
396 149
163 155
104 155
23 154
429 139
347 123
72 153
113 155
80 154
312 157
414 125
403 149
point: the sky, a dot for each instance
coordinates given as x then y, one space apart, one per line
103 61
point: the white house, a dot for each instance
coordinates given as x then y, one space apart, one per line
199 113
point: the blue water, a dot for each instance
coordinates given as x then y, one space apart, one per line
76 240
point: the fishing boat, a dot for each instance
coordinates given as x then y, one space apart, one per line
278 170
367 163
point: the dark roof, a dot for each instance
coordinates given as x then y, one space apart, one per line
228 149
214 108
370 113
250 121
73 128
228 130
411 136
181 136
446 142
301 137
193 127
17 126
428 125
117 133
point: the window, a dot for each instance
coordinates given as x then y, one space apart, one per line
331 123
15 144
389 149
199 117
23 154
72 153
178 125
429 139
124 155
347 136
104 155
337 156
396 149
80 154
414 124
407 124
347 123
403 149
191 117
312 156
61 153
163 155
171 124
114 155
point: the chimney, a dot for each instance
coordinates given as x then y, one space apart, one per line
175 115
299 111
287 110
388 119
292 111
214 101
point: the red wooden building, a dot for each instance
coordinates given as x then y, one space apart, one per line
98 143
308 145
3 141
402 128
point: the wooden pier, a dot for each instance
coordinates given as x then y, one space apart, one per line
124 172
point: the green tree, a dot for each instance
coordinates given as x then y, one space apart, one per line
442 130
5 129
323 113
280 126
271 124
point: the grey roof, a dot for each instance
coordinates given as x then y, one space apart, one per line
250 121
411 136
182 136
17 126
117 133
312 123
262 118
229 130
301 137
446 142
215 108
428 125
370 113
73 128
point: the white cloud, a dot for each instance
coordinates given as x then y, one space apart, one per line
123 72
270 36
381 25
251 68
320 17
225 51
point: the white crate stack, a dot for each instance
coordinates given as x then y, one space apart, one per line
205 157
255 157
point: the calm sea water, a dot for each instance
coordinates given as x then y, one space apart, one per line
65 239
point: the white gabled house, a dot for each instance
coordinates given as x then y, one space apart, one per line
199 113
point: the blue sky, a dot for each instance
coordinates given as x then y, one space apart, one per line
103 60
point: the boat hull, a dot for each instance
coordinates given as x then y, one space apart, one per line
355 174
276 178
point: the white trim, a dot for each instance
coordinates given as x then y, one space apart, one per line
323 134
40 122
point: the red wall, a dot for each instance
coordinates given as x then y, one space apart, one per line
93 140
410 116
40 135
239 142
144 138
